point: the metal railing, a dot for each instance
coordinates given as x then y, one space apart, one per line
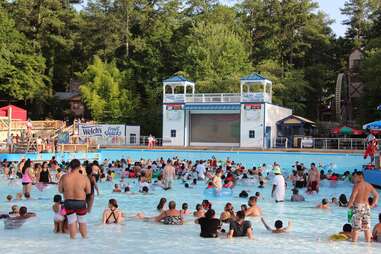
217 98
323 143
119 141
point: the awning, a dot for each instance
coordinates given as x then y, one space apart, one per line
212 106
372 126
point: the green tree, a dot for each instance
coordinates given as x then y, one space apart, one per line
21 70
103 93
216 57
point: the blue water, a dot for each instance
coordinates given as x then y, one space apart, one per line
339 162
311 226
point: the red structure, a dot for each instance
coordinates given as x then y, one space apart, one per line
17 113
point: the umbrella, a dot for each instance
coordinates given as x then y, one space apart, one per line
372 126
379 107
345 130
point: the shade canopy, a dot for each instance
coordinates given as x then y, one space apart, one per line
372 126
345 130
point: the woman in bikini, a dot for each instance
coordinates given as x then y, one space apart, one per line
112 215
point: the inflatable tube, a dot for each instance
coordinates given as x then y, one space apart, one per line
213 193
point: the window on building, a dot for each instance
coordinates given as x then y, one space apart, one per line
132 138
251 134
173 133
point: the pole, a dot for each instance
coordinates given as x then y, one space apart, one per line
9 121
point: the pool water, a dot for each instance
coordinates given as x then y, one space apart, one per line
311 227
310 232
339 162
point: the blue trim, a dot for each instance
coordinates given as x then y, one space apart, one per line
176 79
254 77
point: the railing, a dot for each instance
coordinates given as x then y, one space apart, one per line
324 143
213 98
72 148
119 141
217 98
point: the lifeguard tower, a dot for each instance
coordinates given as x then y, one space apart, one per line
246 119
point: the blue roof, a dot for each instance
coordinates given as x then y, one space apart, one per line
176 79
212 106
254 77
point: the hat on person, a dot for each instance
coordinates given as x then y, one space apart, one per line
277 170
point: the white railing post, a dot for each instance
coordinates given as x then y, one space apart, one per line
351 144
338 144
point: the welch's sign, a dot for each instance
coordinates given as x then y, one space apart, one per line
101 130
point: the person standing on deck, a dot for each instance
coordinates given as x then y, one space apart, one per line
360 206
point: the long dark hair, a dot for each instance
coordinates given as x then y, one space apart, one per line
161 204
26 165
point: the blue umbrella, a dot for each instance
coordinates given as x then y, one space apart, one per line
372 126
379 107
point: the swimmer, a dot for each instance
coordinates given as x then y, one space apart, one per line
253 210
209 224
184 209
172 216
161 206
58 214
343 201
324 204
334 201
346 234
206 204
228 214
296 197
17 221
240 227
243 194
216 180
243 208
278 227
376 234
9 198
112 215
14 211
259 196
117 188
261 184
200 212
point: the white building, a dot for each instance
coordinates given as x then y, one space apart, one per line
247 119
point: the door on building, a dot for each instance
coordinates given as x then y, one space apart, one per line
268 137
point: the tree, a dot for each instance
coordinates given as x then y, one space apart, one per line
358 12
103 93
216 57
21 70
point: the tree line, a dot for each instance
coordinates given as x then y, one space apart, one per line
121 50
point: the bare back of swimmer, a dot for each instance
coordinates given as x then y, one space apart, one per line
75 186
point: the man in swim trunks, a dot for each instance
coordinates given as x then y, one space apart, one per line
313 180
360 206
74 187
169 175
253 210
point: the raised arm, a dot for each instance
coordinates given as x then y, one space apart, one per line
289 226
265 224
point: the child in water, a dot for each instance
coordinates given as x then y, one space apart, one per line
58 214
278 227
346 234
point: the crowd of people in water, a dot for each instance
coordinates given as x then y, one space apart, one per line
77 186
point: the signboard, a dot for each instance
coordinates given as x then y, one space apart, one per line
252 106
101 130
